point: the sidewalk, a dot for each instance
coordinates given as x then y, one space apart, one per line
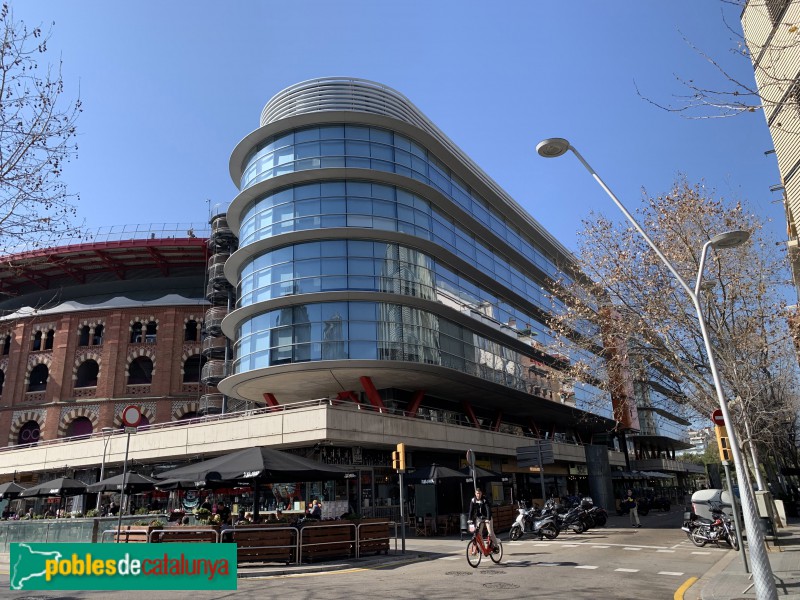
727 579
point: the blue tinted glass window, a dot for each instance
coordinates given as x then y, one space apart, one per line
383 136
331 132
306 135
356 132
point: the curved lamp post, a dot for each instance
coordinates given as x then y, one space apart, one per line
106 431
762 572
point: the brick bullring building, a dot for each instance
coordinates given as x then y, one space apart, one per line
91 327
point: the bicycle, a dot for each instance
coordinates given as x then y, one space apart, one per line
478 547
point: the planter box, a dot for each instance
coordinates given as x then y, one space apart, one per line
503 517
373 536
334 540
183 534
262 543
133 534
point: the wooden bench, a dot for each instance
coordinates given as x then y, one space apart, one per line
263 543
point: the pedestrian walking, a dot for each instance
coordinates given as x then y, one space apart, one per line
630 503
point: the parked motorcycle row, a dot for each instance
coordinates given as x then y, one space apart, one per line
719 528
553 518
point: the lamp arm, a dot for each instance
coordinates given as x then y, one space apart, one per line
638 227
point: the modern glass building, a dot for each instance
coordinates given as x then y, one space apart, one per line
371 246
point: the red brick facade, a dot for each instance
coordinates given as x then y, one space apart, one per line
167 397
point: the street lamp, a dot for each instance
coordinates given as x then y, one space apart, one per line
762 572
106 431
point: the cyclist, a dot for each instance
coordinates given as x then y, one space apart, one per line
479 509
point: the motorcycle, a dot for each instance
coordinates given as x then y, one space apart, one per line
702 531
539 523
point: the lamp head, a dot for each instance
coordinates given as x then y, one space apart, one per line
730 239
552 147
107 430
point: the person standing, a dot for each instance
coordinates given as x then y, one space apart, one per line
479 509
630 503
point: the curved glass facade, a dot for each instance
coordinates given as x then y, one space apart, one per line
357 146
327 204
333 265
374 331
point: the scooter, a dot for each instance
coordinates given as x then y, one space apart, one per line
541 524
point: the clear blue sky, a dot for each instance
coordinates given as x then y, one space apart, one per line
170 87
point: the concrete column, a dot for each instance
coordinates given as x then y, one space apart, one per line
599 476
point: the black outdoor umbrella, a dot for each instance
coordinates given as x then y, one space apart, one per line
434 474
10 490
254 466
259 463
482 474
63 486
133 483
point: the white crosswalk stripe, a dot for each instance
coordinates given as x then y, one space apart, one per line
586 567
627 570
670 573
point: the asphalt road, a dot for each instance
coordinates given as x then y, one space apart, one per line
613 562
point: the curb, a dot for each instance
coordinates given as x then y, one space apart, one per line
299 570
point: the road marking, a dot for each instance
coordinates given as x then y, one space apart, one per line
673 551
627 570
682 590
601 546
670 573
701 552
570 545
631 548
585 567
451 557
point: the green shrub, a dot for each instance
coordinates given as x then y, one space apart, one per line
92 512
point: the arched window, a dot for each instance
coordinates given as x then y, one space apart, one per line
150 332
2 380
83 338
48 342
80 427
87 374
189 415
192 368
7 345
144 421
38 380
37 342
136 333
29 433
141 371
97 340
190 333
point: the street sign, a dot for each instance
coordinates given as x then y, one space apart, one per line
528 456
131 416
471 458
131 430
717 418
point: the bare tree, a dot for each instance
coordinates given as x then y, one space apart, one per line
723 91
637 300
37 138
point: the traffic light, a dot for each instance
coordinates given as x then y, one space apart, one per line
401 457
722 442
396 461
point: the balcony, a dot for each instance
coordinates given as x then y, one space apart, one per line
214 347
215 371
214 318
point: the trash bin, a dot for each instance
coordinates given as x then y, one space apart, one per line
464 526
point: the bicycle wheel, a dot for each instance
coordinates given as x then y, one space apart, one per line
474 553
498 555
